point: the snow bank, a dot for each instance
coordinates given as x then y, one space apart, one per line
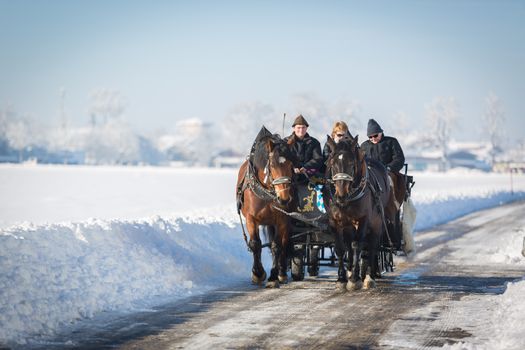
504 326
55 274
441 209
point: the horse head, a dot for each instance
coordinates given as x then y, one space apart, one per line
345 168
279 169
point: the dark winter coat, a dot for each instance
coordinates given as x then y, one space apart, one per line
388 151
308 152
326 152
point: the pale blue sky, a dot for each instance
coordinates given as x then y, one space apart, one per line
180 59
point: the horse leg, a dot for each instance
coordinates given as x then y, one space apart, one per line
273 281
255 245
340 252
284 233
370 273
349 236
356 282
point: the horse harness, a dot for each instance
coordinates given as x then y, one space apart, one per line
252 182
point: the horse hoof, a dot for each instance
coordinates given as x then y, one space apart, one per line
340 286
354 285
272 284
258 280
283 279
369 283
348 274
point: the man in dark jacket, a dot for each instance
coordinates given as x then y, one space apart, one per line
306 148
309 162
383 148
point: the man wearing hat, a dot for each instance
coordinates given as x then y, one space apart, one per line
306 148
386 149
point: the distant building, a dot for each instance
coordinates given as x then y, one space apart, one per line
466 159
471 155
227 159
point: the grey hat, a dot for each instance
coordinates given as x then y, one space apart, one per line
373 128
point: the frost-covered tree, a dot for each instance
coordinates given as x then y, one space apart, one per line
17 132
493 120
106 104
194 141
240 127
399 125
112 143
6 113
441 116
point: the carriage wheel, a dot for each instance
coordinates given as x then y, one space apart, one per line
297 263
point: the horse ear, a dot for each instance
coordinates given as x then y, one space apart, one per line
330 142
291 141
355 139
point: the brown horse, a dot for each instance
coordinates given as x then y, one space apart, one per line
359 199
264 185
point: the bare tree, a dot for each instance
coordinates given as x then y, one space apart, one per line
493 120
442 115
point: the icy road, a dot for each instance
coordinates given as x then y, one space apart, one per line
441 297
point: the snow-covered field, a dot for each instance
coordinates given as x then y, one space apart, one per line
78 241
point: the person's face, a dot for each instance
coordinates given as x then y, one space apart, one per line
300 130
375 138
338 136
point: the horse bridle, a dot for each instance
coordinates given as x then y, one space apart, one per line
358 191
282 180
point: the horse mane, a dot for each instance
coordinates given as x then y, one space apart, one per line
347 143
260 154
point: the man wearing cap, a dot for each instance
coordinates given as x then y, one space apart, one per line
386 149
306 148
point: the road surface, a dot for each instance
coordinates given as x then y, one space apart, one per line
412 307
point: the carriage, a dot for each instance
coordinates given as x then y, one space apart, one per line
362 231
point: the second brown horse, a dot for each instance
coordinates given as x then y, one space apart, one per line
360 204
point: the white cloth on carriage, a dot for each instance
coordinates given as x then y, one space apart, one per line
408 221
